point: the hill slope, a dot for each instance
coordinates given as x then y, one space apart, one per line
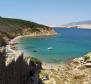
10 28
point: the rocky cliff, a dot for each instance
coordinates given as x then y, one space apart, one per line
15 69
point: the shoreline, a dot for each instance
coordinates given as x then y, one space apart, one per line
12 41
52 66
44 65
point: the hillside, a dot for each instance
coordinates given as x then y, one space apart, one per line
10 28
14 67
80 24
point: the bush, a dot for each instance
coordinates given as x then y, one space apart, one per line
34 60
86 58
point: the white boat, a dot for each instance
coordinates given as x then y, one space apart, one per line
50 48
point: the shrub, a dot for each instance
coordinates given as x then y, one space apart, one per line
86 58
34 60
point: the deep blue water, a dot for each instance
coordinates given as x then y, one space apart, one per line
68 44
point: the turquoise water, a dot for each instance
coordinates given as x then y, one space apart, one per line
68 44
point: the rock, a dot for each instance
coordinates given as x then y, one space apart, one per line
88 64
14 69
45 78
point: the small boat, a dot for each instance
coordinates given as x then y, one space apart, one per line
50 48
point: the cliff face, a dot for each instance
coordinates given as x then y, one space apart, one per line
42 32
15 69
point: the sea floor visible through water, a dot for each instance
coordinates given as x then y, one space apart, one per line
61 48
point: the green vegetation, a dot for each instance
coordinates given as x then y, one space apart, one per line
86 58
17 26
43 74
10 28
33 60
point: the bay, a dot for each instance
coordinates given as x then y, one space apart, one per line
67 45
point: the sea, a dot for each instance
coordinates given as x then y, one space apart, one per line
61 48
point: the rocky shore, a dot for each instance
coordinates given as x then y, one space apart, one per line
13 64
77 71
34 34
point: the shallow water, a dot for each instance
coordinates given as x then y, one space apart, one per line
68 44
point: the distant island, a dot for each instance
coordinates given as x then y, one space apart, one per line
81 24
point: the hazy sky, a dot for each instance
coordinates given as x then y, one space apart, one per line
48 12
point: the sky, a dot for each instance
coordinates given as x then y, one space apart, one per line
47 12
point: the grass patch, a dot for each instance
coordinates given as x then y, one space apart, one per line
86 58
33 60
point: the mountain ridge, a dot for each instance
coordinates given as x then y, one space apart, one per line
79 24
